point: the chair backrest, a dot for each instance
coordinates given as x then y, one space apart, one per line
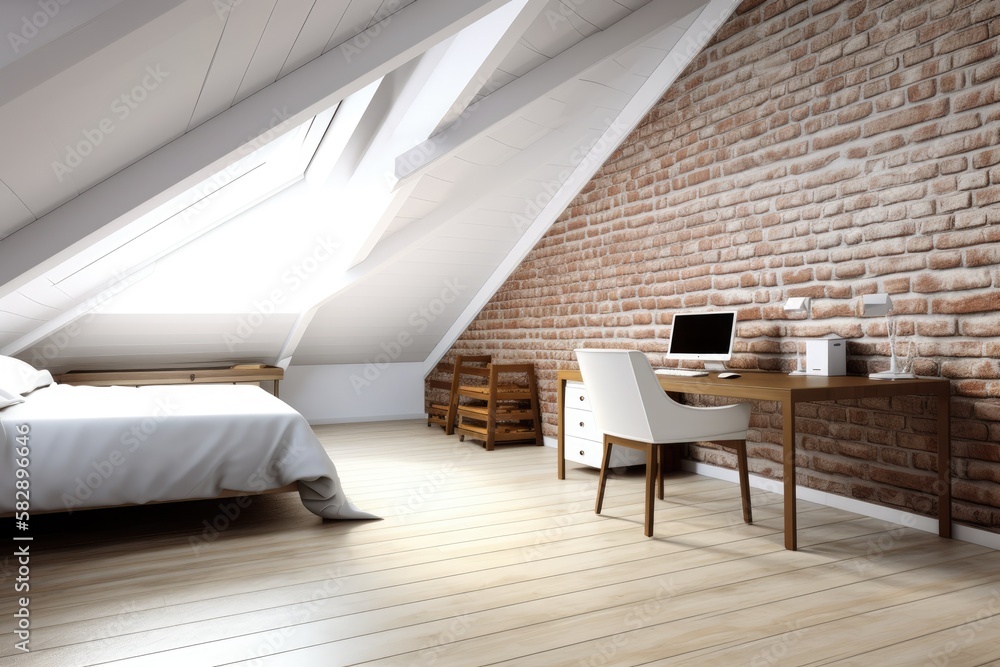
628 401
625 395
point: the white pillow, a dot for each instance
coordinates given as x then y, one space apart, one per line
7 400
18 377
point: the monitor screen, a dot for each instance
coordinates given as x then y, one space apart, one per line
704 336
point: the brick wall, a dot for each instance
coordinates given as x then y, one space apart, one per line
825 149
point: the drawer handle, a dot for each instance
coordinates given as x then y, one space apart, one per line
581 398
582 453
192 377
581 424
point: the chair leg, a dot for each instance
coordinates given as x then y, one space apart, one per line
741 464
659 472
603 479
651 456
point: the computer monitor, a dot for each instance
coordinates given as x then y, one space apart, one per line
704 337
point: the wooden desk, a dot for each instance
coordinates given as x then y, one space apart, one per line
791 389
139 378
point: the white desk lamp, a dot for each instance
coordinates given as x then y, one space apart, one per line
875 305
793 306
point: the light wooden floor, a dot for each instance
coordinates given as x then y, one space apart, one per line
487 558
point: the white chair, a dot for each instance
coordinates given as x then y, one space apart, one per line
632 410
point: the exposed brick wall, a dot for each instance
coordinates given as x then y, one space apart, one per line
825 149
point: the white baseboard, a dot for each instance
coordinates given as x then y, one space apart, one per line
978 536
373 418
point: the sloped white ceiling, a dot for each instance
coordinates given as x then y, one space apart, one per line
302 181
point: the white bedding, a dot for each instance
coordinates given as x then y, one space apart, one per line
101 446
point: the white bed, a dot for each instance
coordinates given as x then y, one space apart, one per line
110 446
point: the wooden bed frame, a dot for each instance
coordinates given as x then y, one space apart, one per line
237 374
288 488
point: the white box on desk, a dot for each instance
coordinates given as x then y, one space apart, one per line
826 356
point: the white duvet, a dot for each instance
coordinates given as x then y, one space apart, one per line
103 446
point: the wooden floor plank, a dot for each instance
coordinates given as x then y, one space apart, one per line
486 557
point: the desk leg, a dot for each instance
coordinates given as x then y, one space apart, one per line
561 435
944 464
788 444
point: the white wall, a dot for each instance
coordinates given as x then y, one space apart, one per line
355 392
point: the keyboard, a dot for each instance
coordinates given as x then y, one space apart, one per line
683 372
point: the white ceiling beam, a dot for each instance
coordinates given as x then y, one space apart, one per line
206 149
519 14
690 45
570 64
338 135
433 92
109 27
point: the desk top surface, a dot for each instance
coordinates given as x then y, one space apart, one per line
779 386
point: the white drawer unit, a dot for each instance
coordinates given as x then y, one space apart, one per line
584 443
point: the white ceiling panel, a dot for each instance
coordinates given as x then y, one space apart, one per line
486 151
548 111
601 14
23 305
14 323
522 59
433 188
520 133
473 232
41 291
415 208
283 28
360 15
319 26
31 177
557 29
244 23
13 213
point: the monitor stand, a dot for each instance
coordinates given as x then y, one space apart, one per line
715 366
